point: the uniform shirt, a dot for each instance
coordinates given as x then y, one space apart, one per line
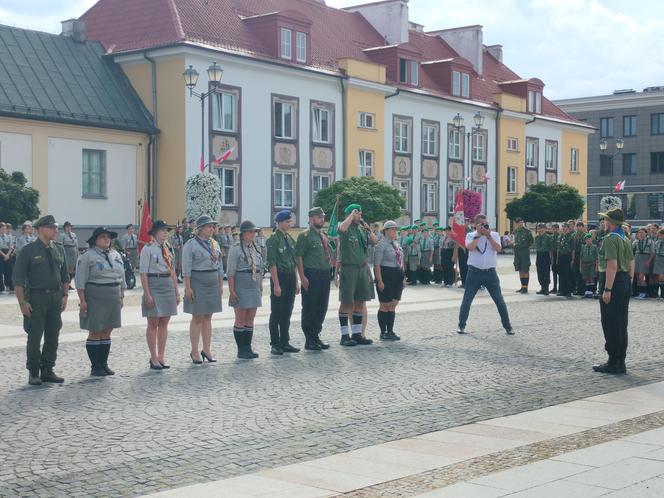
353 246
644 246
281 251
566 243
436 241
40 266
199 255
555 240
68 239
7 241
23 240
543 243
426 244
614 246
588 253
310 247
413 249
447 242
152 259
388 253
176 240
226 240
247 261
100 267
484 257
523 239
659 248
187 234
129 241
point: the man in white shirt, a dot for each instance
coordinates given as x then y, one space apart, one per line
483 246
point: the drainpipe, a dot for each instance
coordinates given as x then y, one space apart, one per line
153 139
499 111
344 145
393 94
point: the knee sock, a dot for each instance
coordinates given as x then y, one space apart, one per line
343 322
524 282
382 320
105 349
238 332
357 323
390 321
248 336
92 347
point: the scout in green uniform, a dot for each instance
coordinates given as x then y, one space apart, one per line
412 259
555 239
523 239
283 284
426 257
436 259
579 242
616 266
7 251
544 249
355 287
565 255
42 282
588 257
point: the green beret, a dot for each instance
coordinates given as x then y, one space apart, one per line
588 236
316 211
440 229
403 228
423 223
45 221
435 223
350 208
413 227
417 220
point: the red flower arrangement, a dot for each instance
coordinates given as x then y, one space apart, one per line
472 204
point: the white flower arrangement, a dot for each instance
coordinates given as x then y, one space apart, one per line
202 196
609 202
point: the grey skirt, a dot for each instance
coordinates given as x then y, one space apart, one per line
640 261
71 256
413 262
162 291
104 307
248 291
436 256
658 267
207 293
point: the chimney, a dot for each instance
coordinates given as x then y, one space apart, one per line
389 18
496 51
74 29
466 41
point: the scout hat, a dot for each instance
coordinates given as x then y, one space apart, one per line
283 215
518 220
46 221
28 223
588 236
350 208
615 216
157 225
248 226
423 223
100 231
316 211
389 224
203 220
435 224
413 227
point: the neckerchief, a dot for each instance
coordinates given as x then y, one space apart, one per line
207 245
166 253
325 246
398 253
619 232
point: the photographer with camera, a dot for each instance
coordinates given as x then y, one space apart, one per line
483 246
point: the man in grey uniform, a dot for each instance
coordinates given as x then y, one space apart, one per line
129 244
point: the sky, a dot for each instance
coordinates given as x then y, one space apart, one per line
577 47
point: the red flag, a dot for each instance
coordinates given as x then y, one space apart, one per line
224 156
619 186
146 225
459 221
202 165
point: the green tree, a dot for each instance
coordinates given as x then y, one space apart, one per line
18 202
379 200
546 203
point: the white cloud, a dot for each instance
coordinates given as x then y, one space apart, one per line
43 15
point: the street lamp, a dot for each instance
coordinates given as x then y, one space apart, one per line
603 147
214 73
457 122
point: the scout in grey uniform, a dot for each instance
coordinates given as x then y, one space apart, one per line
389 275
412 259
7 251
426 255
69 241
226 241
658 266
129 244
27 236
435 259
203 283
245 284
100 283
447 248
160 292
644 255
177 243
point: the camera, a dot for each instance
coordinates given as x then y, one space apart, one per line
485 226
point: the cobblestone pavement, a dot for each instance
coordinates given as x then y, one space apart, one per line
144 431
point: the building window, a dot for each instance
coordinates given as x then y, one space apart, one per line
401 136
409 72
574 160
366 162
429 140
224 112
319 183
551 155
284 120
367 120
605 165
452 190
629 126
286 44
479 147
429 197
606 127
534 102
321 123
657 124
227 177
283 190
657 162
403 186
460 84
454 143
511 180
301 47
629 164
513 144
94 173
656 205
532 159
481 189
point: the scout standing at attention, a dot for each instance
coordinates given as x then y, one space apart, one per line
177 243
27 236
314 262
644 256
413 261
543 246
658 267
389 275
565 262
589 265
435 260
129 244
555 237
7 251
523 239
354 285
426 257
42 283
100 283
283 286
69 242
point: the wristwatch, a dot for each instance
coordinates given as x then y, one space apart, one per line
476 237
608 290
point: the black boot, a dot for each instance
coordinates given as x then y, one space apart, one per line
310 343
48 375
238 335
363 341
322 344
96 360
621 366
612 366
249 337
105 351
33 377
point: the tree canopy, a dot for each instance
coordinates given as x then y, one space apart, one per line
547 203
18 202
379 200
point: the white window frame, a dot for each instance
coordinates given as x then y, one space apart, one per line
429 140
219 108
465 85
430 197
456 83
512 144
452 190
280 191
318 115
286 48
574 160
316 183
414 73
403 186
538 102
512 176
86 177
479 147
481 189
454 149
531 100
532 159
401 136
282 120
300 46
550 156
221 172
366 117
366 158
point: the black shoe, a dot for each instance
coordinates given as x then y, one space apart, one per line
98 371
48 375
33 377
155 366
383 336
323 345
622 367
391 336
109 371
312 346
523 291
207 358
246 354
461 331
362 341
347 341
276 350
541 292
559 294
287 348
509 331
569 296
196 362
609 367
554 291
164 366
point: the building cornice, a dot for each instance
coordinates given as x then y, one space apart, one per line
606 102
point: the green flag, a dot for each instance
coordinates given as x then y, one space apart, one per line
332 229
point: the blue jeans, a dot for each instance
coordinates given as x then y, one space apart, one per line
489 279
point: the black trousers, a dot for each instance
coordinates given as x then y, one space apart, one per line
463 265
543 264
579 282
6 268
281 309
448 265
314 302
554 270
566 284
615 315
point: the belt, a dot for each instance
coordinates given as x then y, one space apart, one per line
246 271
480 269
158 275
45 291
284 271
316 270
110 284
203 271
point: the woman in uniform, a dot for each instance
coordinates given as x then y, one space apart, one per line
389 270
589 265
203 286
69 242
100 284
245 284
413 260
160 291
658 265
644 254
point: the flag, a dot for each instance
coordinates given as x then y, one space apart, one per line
223 157
486 177
146 225
202 165
332 227
619 186
459 221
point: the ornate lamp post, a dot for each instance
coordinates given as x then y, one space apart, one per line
457 121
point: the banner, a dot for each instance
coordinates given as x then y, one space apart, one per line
459 221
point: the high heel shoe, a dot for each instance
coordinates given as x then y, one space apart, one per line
155 367
164 366
208 358
196 362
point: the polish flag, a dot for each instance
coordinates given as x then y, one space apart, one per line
459 222
619 186
146 225
202 165
224 156
486 177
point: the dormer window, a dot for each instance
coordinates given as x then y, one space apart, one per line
301 47
296 38
409 72
286 43
460 84
534 102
